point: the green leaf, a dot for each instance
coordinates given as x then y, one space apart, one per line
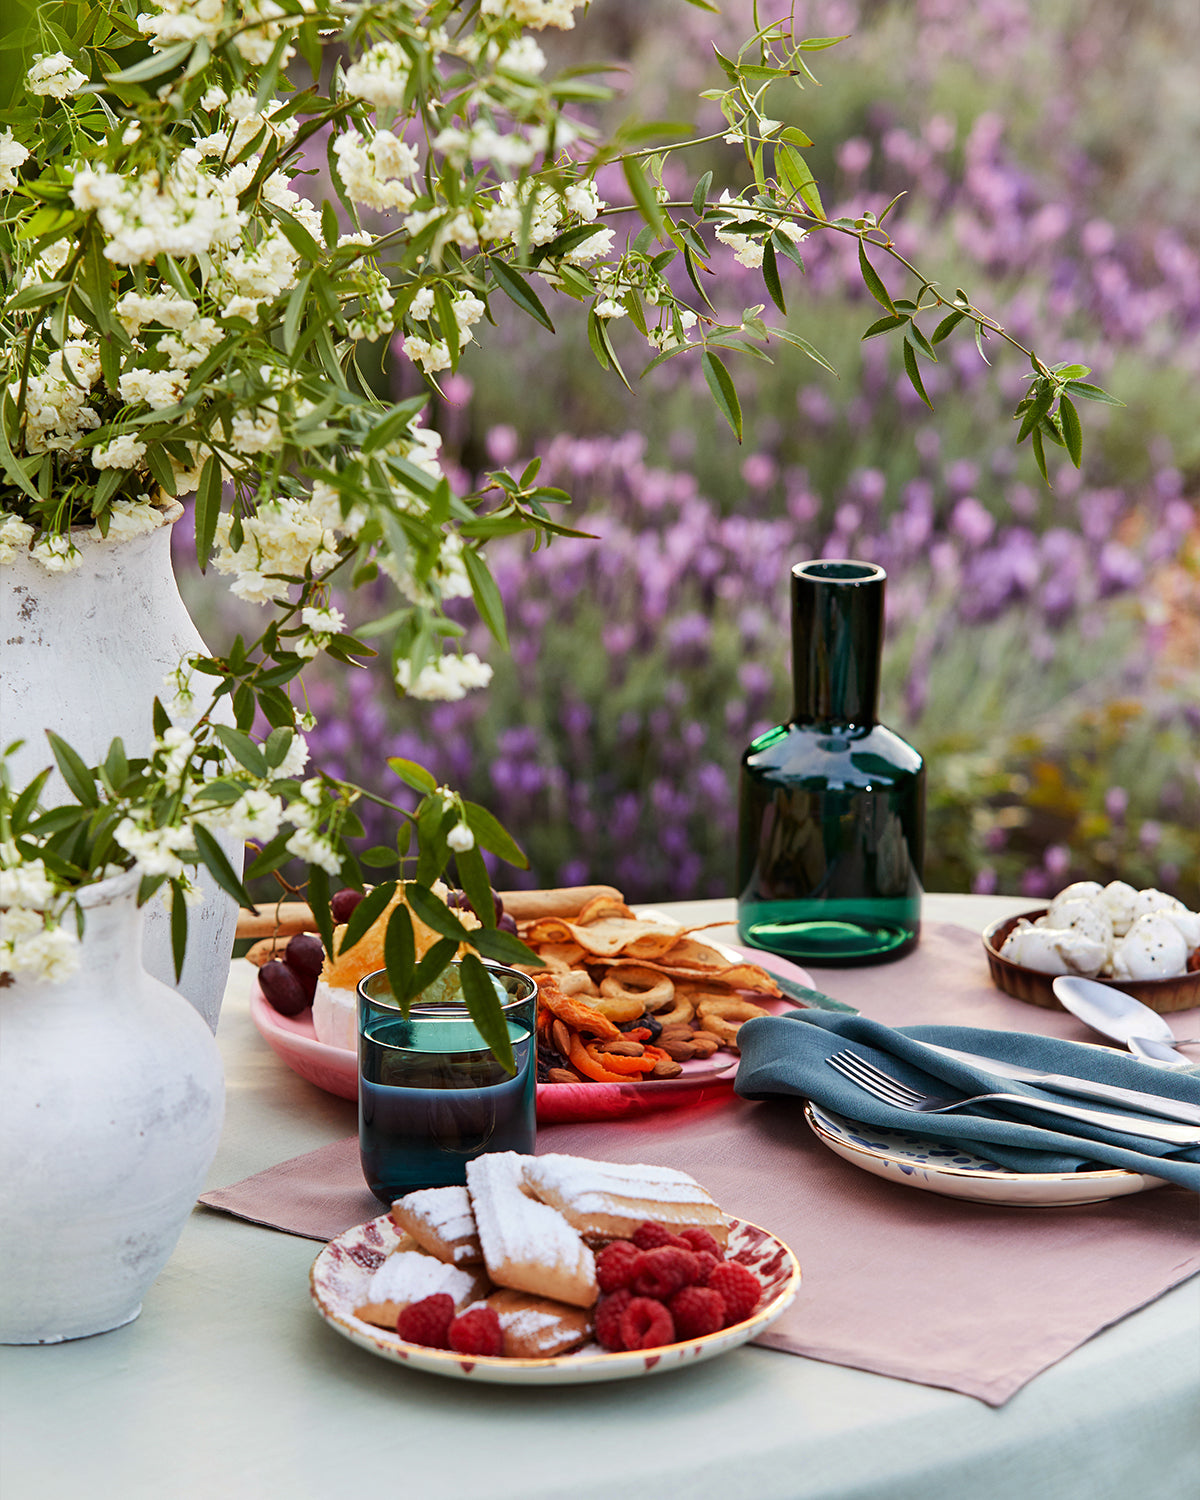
472 872
724 393
770 270
1072 431
914 374
378 857
219 867
74 772
412 774
208 508
298 237
873 281
1040 402
243 749
179 927
368 909
486 595
437 959
435 913
484 1007
700 193
919 341
8 458
884 325
796 175
153 66
1089 392
515 287
947 326
490 834
1039 453
504 947
318 900
643 193
399 954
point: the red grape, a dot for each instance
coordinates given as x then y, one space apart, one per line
343 904
282 988
305 957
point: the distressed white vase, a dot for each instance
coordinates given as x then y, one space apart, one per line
85 653
111 1103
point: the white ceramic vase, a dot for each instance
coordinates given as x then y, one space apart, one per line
111 1103
85 653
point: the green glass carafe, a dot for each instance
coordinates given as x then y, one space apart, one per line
831 812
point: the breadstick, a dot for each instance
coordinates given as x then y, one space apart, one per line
284 920
564 901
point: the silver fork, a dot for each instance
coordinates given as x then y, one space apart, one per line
883 1086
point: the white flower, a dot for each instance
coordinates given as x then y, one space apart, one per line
422 303
127 519
373 170
255 815
154 850
295 760
314 850
523 56
15 536
380 76
182 21
122 453
32 944
460 838
609 309
26 884
322 625
178 745
157 388
447 679
596 244
583 199
536 13
430 356
12 154
55 75
57 554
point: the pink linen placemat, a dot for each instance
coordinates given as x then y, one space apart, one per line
974 1298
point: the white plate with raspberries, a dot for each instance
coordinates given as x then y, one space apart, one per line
345 1266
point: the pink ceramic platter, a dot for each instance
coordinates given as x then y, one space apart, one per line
335 1069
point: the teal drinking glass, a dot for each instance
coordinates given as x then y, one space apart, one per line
831 812
431 1096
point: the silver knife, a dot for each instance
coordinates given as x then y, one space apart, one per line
1082 1088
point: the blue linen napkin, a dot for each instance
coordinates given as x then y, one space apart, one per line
786 1055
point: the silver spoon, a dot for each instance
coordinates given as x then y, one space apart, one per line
1114 1013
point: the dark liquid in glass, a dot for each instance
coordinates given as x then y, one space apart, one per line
431 1096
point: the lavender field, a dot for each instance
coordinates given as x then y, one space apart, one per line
1043 643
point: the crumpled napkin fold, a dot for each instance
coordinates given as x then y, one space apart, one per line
786 1055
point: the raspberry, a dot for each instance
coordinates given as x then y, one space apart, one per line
477 1331
614 1265
645 1324
700 1239
708 1263
608 1318
652 1236
697 1310
428 1321
658 1273
739 1288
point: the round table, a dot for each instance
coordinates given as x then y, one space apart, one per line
228 1384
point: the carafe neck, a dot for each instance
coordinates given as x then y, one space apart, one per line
837 642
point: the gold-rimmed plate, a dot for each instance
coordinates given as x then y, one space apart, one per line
342 1270
942 1167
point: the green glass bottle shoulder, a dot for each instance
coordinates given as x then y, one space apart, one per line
831 843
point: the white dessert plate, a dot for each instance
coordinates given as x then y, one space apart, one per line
335 1069
341 1272
942 1167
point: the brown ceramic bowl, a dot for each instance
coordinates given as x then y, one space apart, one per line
1181 993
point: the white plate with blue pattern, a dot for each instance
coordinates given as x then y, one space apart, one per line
942 1167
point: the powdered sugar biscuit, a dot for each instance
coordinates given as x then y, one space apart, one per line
537 1327
608 1200
408 1276
526 1245
441 1221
